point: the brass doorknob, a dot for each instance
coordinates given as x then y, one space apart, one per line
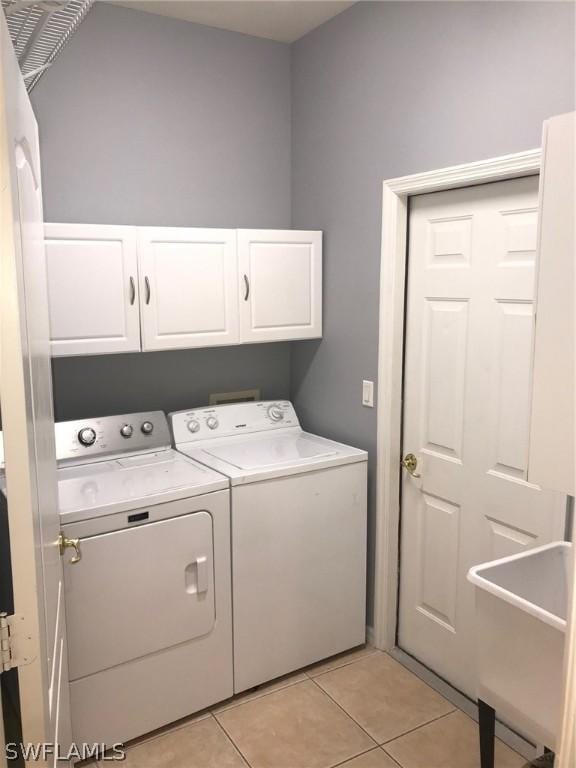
65 543
410 462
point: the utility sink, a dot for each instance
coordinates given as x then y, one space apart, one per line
521 611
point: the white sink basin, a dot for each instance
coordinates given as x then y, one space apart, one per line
521 607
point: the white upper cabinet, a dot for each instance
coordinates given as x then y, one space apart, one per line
127 289
280 281
552 458
188 292
93 289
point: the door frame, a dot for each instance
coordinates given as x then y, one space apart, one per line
396 192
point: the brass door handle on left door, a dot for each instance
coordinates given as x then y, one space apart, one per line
410 462
65 543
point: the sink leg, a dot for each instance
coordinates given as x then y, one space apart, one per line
487 723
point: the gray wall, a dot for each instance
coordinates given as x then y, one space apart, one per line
387 89
171 381
145 119
148 120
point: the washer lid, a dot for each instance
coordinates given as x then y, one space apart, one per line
88 490
256 457
267 452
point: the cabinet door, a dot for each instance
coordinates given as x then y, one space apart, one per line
188 291
92 289
280 278
552 444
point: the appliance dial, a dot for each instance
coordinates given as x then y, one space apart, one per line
87 436
193 426
126 430
212 422
147 428
275 413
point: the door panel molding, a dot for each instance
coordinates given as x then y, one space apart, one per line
396 192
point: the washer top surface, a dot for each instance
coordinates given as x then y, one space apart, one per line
257 441
117 472
270 451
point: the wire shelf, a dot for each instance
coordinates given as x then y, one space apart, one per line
40 29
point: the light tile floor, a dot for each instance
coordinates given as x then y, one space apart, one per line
358 710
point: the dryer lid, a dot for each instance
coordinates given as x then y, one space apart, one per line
268 452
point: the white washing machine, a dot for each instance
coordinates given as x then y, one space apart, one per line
298 534
148 603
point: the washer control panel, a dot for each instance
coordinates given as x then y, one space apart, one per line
112 434
234 419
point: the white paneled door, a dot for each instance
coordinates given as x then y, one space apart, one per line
468 363
188 293
38 627
280 274
92 288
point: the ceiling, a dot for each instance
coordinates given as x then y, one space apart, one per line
281 20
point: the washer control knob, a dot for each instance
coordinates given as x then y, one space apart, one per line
212 422
147 428
275 413
87 436
193 426
126 430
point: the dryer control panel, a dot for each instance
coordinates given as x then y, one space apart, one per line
234 419
127 433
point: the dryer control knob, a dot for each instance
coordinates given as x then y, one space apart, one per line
147 428
275 413
126 430
193 426
87 436
212 422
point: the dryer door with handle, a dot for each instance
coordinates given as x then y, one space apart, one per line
139 590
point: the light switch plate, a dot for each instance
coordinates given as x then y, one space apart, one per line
368 393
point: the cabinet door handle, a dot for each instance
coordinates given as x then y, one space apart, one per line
246 288
147 284
132 290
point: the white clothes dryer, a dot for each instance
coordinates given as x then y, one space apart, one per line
147 577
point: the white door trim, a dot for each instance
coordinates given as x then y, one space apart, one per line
391 343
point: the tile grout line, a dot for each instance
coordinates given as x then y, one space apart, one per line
197 718
354 757
387 741
194 718
341 666
211 713
417 727
361 754
389 756
255 697
341 708
302 671
231 740
166 730
372 747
